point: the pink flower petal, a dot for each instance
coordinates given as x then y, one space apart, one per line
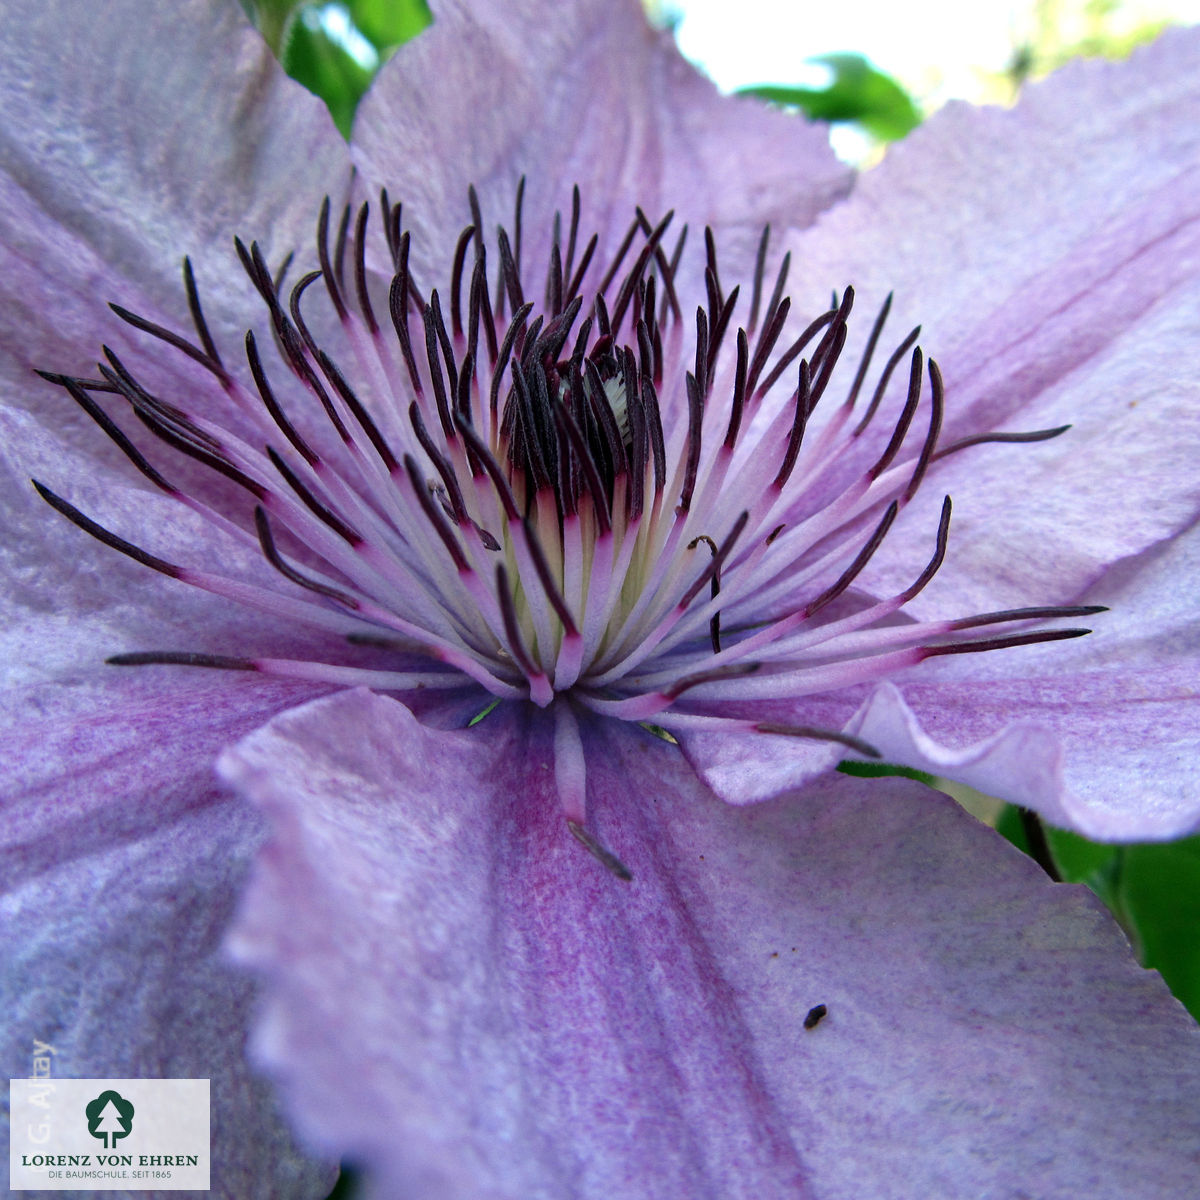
69 603
128 142
746 768
1099 735
581 92
132 137
524 1024
1052 254
121 860
1102 738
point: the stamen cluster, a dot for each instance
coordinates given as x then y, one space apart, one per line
610 496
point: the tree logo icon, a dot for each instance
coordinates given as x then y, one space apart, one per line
109 1117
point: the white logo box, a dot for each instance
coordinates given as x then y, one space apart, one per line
160 1144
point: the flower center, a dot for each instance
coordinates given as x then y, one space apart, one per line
621 497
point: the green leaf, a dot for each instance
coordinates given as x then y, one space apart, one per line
876 770
1158 888
326 65
859 93
1152 889
312 58
389 23
1081 861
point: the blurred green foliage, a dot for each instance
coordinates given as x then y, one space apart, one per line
387 24
335 49
858 93
1153 889
1066 29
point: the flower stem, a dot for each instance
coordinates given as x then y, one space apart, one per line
1039 847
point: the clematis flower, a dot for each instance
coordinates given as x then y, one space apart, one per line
507 483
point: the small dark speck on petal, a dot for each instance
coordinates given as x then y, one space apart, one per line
815 1016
